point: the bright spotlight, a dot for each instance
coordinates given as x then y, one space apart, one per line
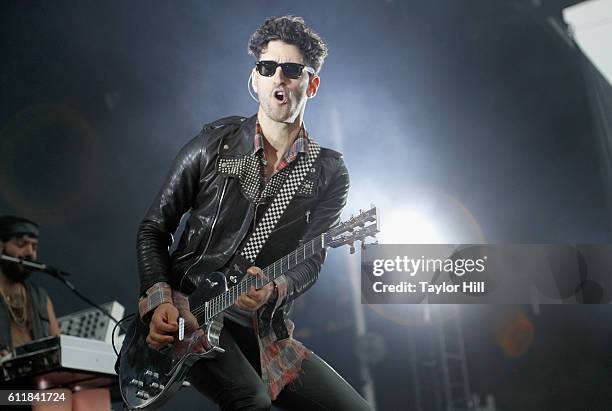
408 226
425 216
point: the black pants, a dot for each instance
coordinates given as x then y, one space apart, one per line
233 380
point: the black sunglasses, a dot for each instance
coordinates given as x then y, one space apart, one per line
290 70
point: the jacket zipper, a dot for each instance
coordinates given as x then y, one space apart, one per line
255 216
212 228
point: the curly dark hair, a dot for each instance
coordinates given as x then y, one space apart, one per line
291 30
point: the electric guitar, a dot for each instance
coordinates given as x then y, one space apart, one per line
148 378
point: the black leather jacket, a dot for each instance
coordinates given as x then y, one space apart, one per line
223 213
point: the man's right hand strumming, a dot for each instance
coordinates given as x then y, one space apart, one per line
164 322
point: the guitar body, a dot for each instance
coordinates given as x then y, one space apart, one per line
148 378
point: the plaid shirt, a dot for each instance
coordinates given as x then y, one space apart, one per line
300 145
281 360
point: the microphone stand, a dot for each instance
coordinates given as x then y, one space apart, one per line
58 274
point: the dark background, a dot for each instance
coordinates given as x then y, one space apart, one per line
478 106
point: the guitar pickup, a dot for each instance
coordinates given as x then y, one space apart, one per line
181 328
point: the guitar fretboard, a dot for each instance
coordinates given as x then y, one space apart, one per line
226 299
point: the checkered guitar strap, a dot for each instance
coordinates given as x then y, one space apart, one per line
280 203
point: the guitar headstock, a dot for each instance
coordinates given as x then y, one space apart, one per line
356 228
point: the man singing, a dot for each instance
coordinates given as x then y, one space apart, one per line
226 178
26 311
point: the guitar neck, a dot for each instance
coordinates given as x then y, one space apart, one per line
224 300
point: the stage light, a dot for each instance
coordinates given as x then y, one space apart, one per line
420 215
409 226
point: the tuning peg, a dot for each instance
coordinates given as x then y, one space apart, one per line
363 245
352 248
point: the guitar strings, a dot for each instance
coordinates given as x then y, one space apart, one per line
217 301
220 299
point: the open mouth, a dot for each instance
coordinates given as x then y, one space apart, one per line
280 96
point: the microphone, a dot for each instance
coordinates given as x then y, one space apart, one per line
59 274
44 268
